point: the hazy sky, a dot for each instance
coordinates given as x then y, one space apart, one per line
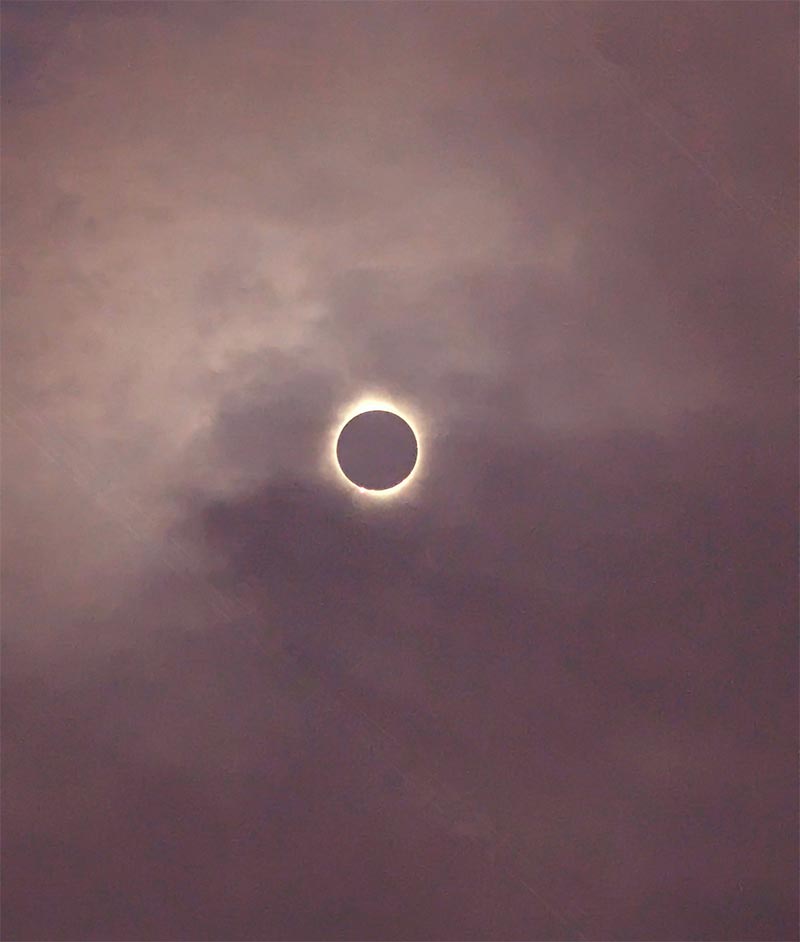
550 690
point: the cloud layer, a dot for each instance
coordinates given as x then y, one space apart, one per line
548 692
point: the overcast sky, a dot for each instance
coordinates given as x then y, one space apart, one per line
549 691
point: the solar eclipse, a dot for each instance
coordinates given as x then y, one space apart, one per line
376 450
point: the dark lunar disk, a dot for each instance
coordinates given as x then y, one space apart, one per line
377 450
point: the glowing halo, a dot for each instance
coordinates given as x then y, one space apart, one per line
375 404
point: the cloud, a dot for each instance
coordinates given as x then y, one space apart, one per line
585 682
550 692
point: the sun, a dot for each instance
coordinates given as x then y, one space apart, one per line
376 404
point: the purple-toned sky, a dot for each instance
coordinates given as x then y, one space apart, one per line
548 691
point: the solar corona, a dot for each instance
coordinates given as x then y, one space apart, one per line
375 448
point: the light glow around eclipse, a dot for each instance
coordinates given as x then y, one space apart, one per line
368 405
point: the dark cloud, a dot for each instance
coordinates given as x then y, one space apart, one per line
550 690
587 687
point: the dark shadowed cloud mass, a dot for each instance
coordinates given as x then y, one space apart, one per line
550 690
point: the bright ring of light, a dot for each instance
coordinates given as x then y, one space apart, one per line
375 405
